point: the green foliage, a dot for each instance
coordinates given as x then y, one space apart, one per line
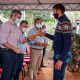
73 16
46 16
31 15
6 13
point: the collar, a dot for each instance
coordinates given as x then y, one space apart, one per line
11 21
35 28
62 17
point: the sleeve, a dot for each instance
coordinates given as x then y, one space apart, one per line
67 40
4 33
32 42
46 40
21 37
66 46
49 36
29 34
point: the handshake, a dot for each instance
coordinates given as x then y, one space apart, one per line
39 33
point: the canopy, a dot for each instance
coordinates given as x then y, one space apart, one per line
38 4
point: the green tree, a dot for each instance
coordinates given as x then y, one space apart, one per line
6 13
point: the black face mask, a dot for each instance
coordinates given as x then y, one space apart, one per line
55 15
77 23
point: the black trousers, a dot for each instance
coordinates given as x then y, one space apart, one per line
19 66
44 50
8 63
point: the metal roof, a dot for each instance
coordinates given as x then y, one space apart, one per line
38 4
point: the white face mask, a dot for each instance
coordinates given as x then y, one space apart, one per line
44 29
17 21
23 29
38 25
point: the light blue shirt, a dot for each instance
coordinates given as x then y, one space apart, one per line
40 39
22 46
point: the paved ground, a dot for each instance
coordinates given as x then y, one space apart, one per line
47 74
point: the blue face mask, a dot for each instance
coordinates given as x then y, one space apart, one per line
17 21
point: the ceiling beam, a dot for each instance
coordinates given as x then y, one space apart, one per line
40 6
39 1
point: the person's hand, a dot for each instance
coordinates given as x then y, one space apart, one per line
40 33
58 65
23 41
38 44
30 38
18 51
45 45
41 44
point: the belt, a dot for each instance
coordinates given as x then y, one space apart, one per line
36 48
5 49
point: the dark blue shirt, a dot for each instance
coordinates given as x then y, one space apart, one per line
62 37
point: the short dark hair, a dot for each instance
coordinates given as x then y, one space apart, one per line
14 12
59 6
37 19
23 21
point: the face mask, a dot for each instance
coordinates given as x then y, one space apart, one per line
23 29
55 15
38 25
17 21
77 23
44 29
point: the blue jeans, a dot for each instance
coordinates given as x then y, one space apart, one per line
8 63
59 74
19 67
